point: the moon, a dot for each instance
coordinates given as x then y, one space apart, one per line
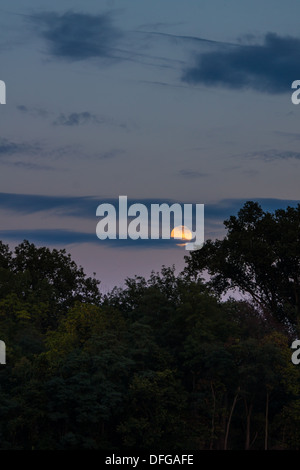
182 233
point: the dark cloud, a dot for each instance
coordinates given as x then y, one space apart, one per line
22 108
70 206
40 156
75 119
8 147
77 36
80 36
34 152
85 117
10 153
47 237
36 112
85 208
218 212
268 67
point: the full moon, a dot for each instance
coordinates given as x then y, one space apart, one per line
182 233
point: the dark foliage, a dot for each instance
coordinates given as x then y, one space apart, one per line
163 364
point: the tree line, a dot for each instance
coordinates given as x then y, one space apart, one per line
164 363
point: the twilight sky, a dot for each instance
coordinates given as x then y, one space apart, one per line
166 101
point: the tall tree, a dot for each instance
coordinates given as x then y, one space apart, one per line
51 277
259 256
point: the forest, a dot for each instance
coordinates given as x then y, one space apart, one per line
199 360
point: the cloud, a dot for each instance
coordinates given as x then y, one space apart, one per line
85 208
80 36
272 154
10 153
75 119
85 117
64 206
269 67
181 38
37 156
289 135
8 147
48 237
29 165
77 36
64 237
34 152
36 112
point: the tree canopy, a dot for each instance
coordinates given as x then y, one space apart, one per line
162 364
259 256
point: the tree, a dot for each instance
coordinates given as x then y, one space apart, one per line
155 406
39 276
259 256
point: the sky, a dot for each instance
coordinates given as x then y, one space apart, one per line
170 101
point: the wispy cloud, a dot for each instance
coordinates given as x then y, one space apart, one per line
33 111
273 154
86 117
11 152
71 119
42 156
187 38
269 67
30 166
75 119
34 155
64 237
292 136
9 147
